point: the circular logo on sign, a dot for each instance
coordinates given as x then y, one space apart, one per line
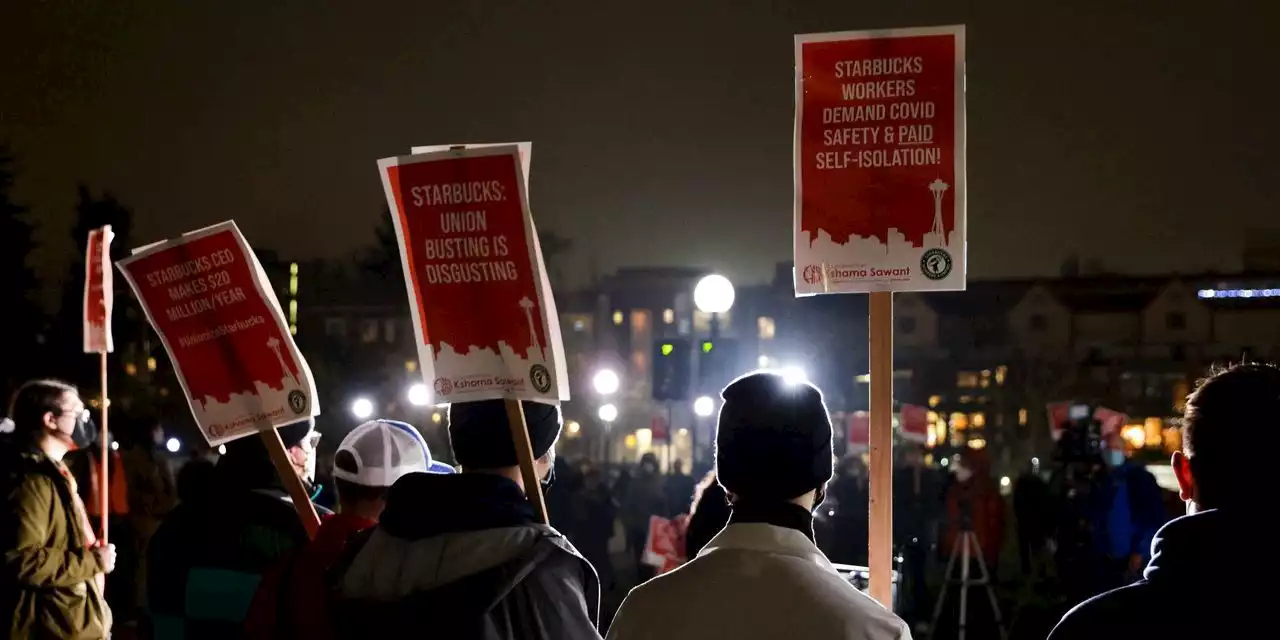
812 274
540 377
297 401
936 264
443 386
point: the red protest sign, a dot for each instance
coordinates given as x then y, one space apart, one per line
1059 414
208 299
98 291
483 312
879 161
915 423
859 431
1110 420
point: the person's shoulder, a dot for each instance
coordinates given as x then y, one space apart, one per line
1102 613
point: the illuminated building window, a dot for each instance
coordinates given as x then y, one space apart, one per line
668 316
410 365
151 364
1022 417
1134 435
1002 372
1153 432
293 268
130 369
935 400
767 328
978 420
293 329
959 421
1238 293
369 331
617 318
966 399
630 441
639 321
293 311
967 379
986 378
978 443
293 285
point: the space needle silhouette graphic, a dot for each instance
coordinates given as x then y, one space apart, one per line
939 233
527 305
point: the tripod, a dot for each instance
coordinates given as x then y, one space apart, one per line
966 547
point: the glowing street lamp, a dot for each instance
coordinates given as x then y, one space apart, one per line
704 406
362 408
606 382
713 294
608 412
172 444
419 395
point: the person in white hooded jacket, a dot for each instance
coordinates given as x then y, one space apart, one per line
762 576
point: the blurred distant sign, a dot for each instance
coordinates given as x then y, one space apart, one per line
484 317
98 294
880 161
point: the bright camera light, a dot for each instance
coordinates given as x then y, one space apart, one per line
608 412
606 382
713 294
172 444
419 395
704 406
794 375
362 408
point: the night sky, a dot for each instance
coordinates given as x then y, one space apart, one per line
1146 139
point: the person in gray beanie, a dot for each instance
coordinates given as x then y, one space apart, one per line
466 551
762 576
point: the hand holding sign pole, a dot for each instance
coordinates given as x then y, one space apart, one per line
879 200
211 304
484 317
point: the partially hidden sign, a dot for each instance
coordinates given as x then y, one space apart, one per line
98 291
483 313
208 298
880 161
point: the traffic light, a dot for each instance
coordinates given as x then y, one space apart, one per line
717 363
671 370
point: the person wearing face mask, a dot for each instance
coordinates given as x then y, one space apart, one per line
467 552
1127 520
53 565
206 560
763 576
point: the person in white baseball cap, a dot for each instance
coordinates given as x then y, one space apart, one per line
369 460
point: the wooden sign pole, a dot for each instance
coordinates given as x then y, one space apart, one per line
292 483
524 454
104 475
880 540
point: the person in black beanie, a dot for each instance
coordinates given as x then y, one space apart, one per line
762 576
481 563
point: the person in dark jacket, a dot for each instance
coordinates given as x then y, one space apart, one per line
709 515
206 560
52 577
1198 582
465 554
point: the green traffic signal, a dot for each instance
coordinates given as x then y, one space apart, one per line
667 348
707 346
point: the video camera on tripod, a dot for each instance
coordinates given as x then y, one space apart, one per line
1081 439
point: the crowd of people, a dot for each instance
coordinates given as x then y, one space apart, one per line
416 547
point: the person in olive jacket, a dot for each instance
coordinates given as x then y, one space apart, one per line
53 567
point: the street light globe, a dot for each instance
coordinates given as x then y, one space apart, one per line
172 444
362 408
704 406
606 382
713 294
608 412
419 395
